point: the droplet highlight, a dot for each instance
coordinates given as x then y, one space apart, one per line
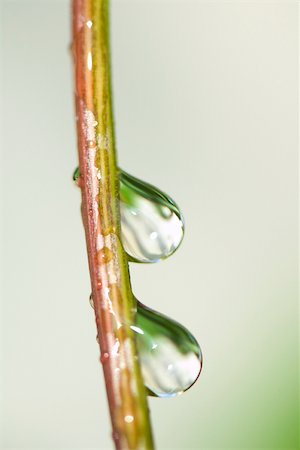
170 356
152 224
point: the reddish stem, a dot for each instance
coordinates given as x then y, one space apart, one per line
112 297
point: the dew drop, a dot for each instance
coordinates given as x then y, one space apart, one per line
91 301
104 357
104 255
76 176
91 144
170 356
152 224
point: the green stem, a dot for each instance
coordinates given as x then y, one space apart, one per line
114 304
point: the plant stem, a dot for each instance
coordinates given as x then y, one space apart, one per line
114 304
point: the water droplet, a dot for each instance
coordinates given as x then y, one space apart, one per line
151 222
91 301
104 255
170 356
91 143
152 225
76 176
104 357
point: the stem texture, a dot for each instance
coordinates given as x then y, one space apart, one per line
114 304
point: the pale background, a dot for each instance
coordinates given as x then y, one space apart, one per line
206 108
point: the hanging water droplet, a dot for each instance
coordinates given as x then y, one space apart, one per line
170 356
152 225
151 222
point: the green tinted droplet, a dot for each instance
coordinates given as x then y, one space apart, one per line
151 222
152 225
170 356
76 175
